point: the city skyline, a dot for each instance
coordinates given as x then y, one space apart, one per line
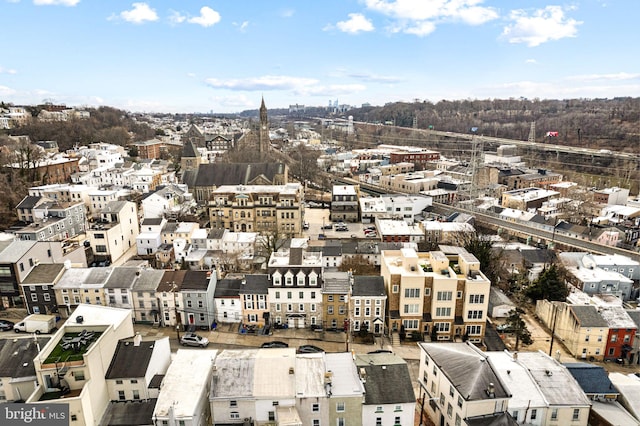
170 56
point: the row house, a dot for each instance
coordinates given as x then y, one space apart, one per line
165 200
585 274
64 192
150 237
368 301
345 204
17 372
80 384
258 208
227 300
581 328
146 309
254 296
335 299
449 394
51 220
295 296
429 292
405 207
197 291
80 286
99 198
18 258
276 386
133 379
37 288
170 298
115 231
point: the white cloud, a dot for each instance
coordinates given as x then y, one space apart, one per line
539 27
56 2
242 27
621 76
530 61
287 13
7 71
176 18
267 82
191 74
140 13
297 85
420 17
6 91
238 101
355 24
375 78
207 18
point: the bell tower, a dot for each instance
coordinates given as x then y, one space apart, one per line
263 142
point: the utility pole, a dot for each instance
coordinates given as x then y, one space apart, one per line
553 328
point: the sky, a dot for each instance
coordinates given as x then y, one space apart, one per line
224 56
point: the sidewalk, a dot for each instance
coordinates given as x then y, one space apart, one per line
329 341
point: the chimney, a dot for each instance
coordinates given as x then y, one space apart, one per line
137 339
491 390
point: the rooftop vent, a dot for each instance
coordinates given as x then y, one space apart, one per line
291 371
79 319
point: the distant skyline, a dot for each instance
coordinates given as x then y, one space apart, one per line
223 56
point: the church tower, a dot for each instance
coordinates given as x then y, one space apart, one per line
263 142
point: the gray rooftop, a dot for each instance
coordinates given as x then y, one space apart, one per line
16 357
388 380
467 368
234 375
368 285
256 284
588 316
129 360
129 413
15 250
593 379
45 273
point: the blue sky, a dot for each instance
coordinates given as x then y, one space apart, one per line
222 56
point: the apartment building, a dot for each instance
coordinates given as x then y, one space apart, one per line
344 203
258 208
430 292
115 231
295 296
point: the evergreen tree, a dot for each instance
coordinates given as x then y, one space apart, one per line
549 285
519 327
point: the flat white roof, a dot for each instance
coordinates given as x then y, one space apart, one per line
277 373
309 372
344 376
524 391
186 379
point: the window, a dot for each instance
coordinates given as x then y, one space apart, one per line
444 295
34 297
78 375
474 314
136 394
315 407
233 403
277 295
330 310
340 407
396 420
554 414
234 415
47 297
272 416
449 410
534 414
118 382
340 421
411 309
378 421
411 292
443 312
427 292
395 288
576 414
330 298
121 395
289 295
474 330
460 401
476 298
316 422
74 418
441 327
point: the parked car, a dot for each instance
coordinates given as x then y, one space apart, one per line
305 226
327 226
342 228
6 325
504 328
192 339
380 351
309 349
274 344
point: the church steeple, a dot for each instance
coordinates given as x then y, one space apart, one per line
263 144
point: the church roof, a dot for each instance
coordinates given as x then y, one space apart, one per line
189 150
217 174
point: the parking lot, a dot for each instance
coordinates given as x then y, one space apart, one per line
317 218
